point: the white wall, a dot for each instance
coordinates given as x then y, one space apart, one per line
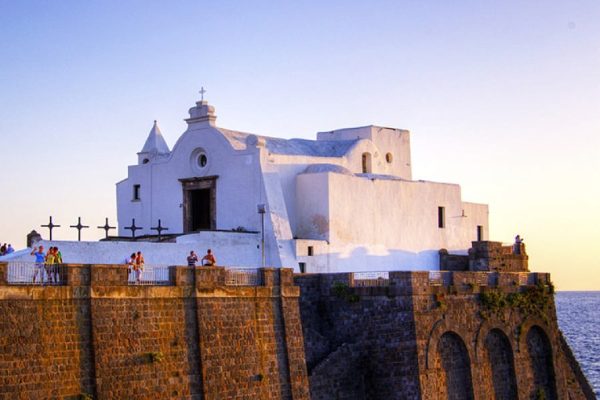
379 224
378 141
239 185
358 222
230 249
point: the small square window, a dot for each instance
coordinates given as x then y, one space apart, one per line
136 192
441 217
311 251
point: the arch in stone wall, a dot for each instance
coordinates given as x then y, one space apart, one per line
439 328
541 361
484 329
500 358
527 325
455 366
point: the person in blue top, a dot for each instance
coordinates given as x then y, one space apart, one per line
40 258
9 249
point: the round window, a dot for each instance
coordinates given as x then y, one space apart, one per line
202 160
199 161
389 158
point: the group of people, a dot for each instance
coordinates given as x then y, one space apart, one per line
135 265
47 262
4 249
208 260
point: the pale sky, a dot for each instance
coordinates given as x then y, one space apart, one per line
500 97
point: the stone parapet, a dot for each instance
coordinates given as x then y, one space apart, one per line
194 337
487 256
493 256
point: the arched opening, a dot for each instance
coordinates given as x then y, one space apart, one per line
540 356
366 163
500 358
456 367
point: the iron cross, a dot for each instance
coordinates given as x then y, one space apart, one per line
159 229
106 228
79 227
202 91
50 226
133 228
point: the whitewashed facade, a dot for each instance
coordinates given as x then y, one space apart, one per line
343 202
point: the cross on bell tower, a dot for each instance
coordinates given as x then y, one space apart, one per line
202 91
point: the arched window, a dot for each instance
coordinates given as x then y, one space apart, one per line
366 163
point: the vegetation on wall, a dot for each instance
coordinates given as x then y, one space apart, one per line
342 291
154 357
440 302
534 300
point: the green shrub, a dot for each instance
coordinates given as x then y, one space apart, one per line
534 300
342 291
154 357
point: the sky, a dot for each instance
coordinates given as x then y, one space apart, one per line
500 97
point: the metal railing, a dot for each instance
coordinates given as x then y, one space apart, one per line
435 278
149 275
29 273
368 279
242 277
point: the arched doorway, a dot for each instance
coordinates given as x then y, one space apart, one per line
456 367
500 358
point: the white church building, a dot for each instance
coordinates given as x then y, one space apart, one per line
343 202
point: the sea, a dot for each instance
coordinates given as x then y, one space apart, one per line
579 319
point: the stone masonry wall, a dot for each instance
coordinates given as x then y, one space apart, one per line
45 344
196 338
416 334
487 256
411 335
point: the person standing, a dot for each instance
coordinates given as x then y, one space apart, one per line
50 257
517 246
210 259
138 266
58 269
192 259
9 249
39 262
130 263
